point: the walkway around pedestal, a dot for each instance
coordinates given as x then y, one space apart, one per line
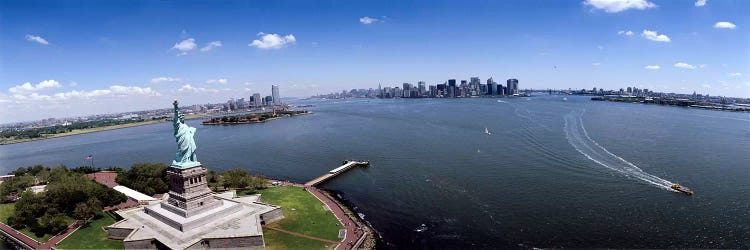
34 244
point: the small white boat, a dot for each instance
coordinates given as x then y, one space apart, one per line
487 131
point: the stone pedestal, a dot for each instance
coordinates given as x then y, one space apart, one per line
188 191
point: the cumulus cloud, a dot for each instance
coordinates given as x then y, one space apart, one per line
28 87
185 46
735 74
596 64
272 41
37 39
655 36
222 81
625 33
653 67
724 25
190 88
614 6
684 65
700 3
367 20
211 45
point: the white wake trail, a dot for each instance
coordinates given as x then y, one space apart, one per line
579 138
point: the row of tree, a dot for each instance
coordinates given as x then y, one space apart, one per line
151 178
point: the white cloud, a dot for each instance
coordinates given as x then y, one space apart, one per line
625 33
614 6
653 67
684 65
190 88
37 39
28 87
596 64
272 41
706 85
724 25
700 3
164 79
222 81
211 45
185 45
367 20
703 66
114 90
655 36
73 84
735 74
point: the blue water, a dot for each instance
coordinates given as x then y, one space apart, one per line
553 172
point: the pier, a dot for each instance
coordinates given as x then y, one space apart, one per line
336 171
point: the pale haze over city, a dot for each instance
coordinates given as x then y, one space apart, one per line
60 59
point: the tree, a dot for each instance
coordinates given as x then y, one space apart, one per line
86 210
16 185
236 178
148 178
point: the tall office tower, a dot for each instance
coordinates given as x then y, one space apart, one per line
421 88
512 87
491 88
398 92
407 89
452 82
474 81
433 91
257 102
380 91
275 95
500 89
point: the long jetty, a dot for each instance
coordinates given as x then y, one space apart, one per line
336 171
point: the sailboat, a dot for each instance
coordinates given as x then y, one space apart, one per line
487 131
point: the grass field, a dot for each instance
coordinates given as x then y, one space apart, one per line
303 214
92 236
6 211
278 240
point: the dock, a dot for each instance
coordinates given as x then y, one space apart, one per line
336 171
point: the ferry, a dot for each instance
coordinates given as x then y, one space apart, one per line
487 131
682 189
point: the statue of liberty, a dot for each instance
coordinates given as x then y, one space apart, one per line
183 134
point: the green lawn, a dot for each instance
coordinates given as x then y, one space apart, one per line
92 236
278 240
303 212
6 211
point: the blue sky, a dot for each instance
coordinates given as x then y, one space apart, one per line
87 57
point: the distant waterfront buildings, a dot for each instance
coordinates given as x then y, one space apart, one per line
452 88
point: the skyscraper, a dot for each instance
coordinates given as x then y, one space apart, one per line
275 95
512 87
257 102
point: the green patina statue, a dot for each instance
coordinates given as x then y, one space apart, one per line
183 134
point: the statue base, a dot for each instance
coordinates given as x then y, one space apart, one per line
188 191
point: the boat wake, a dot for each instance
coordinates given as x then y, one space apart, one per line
578 137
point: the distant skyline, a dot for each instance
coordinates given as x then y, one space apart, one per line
71 58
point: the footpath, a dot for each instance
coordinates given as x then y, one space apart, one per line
34 244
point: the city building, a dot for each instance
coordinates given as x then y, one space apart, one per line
275 95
